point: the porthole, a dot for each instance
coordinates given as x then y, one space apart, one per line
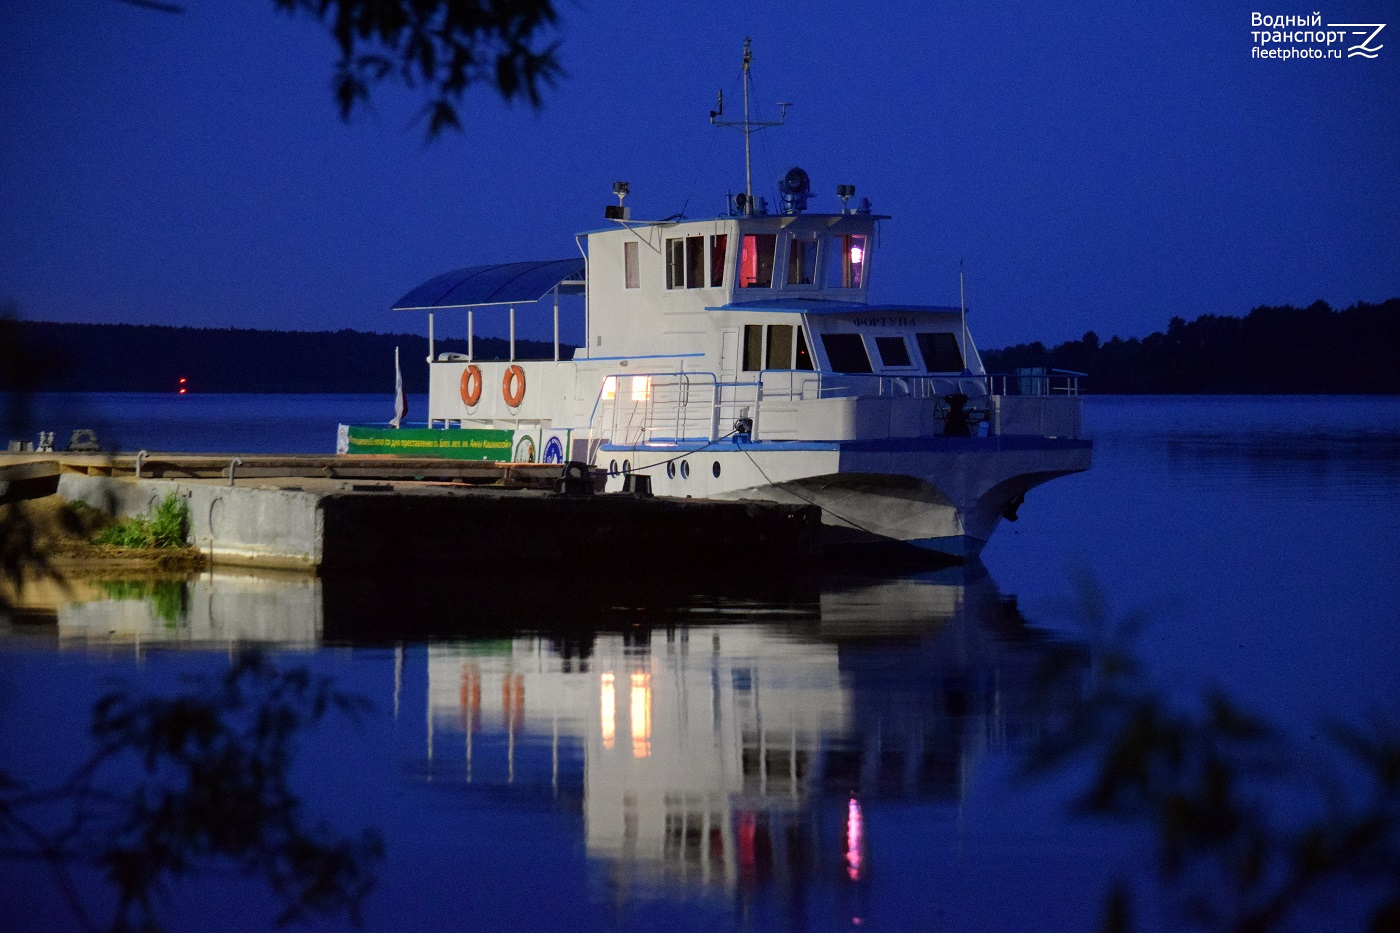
685 469
671 470
715 470
626 467
612 468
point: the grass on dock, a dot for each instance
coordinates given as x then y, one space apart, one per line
67 535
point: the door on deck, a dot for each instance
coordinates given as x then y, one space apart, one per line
728 375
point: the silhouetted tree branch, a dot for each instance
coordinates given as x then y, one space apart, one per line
1249 830
444 46
214 768
22 367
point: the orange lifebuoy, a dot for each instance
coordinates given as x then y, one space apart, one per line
471 385
513 386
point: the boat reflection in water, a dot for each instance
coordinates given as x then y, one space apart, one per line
731 742
741 755
217 609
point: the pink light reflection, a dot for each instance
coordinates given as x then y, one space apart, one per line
855 839
609 710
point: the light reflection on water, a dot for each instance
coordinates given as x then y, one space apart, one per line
697 750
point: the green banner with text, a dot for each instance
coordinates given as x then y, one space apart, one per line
453 443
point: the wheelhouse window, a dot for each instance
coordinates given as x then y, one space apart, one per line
846 353
685 262
941 352
779 354
893 351
753 347
675 263
756 260
804 357
694 262
719 248
844 261
631 274
802 260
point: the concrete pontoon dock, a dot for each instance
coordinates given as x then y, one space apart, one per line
433 516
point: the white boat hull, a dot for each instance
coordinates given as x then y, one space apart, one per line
942 496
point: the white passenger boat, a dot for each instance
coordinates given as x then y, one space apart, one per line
740 356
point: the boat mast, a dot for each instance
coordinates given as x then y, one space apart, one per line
962 304
747 126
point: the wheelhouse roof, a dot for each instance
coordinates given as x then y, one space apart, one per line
500 284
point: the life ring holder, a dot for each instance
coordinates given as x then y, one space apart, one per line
471 385
513 386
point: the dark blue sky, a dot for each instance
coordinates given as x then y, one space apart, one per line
1096 166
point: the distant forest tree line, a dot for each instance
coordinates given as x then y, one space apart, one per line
1270 350
147 358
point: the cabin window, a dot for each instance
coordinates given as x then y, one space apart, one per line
675 263
845 261
631 275
893 351
846 353
802 261
719 247
609 388
941 352
694 262
779 347
756 260
753 347
641 388
804 358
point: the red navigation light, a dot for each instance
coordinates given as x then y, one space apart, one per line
183 387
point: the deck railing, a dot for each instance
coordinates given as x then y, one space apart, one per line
667 407
1035 381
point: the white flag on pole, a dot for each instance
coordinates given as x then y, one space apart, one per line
400 400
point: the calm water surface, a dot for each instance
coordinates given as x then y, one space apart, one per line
841 758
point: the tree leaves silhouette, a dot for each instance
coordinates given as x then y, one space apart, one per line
182 784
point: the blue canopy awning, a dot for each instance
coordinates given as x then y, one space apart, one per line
501 284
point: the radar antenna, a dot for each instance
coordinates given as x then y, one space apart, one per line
748 127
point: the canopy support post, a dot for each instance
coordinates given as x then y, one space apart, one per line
471 355
556 322
512 333
431 355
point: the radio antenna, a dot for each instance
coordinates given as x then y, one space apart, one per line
748 127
